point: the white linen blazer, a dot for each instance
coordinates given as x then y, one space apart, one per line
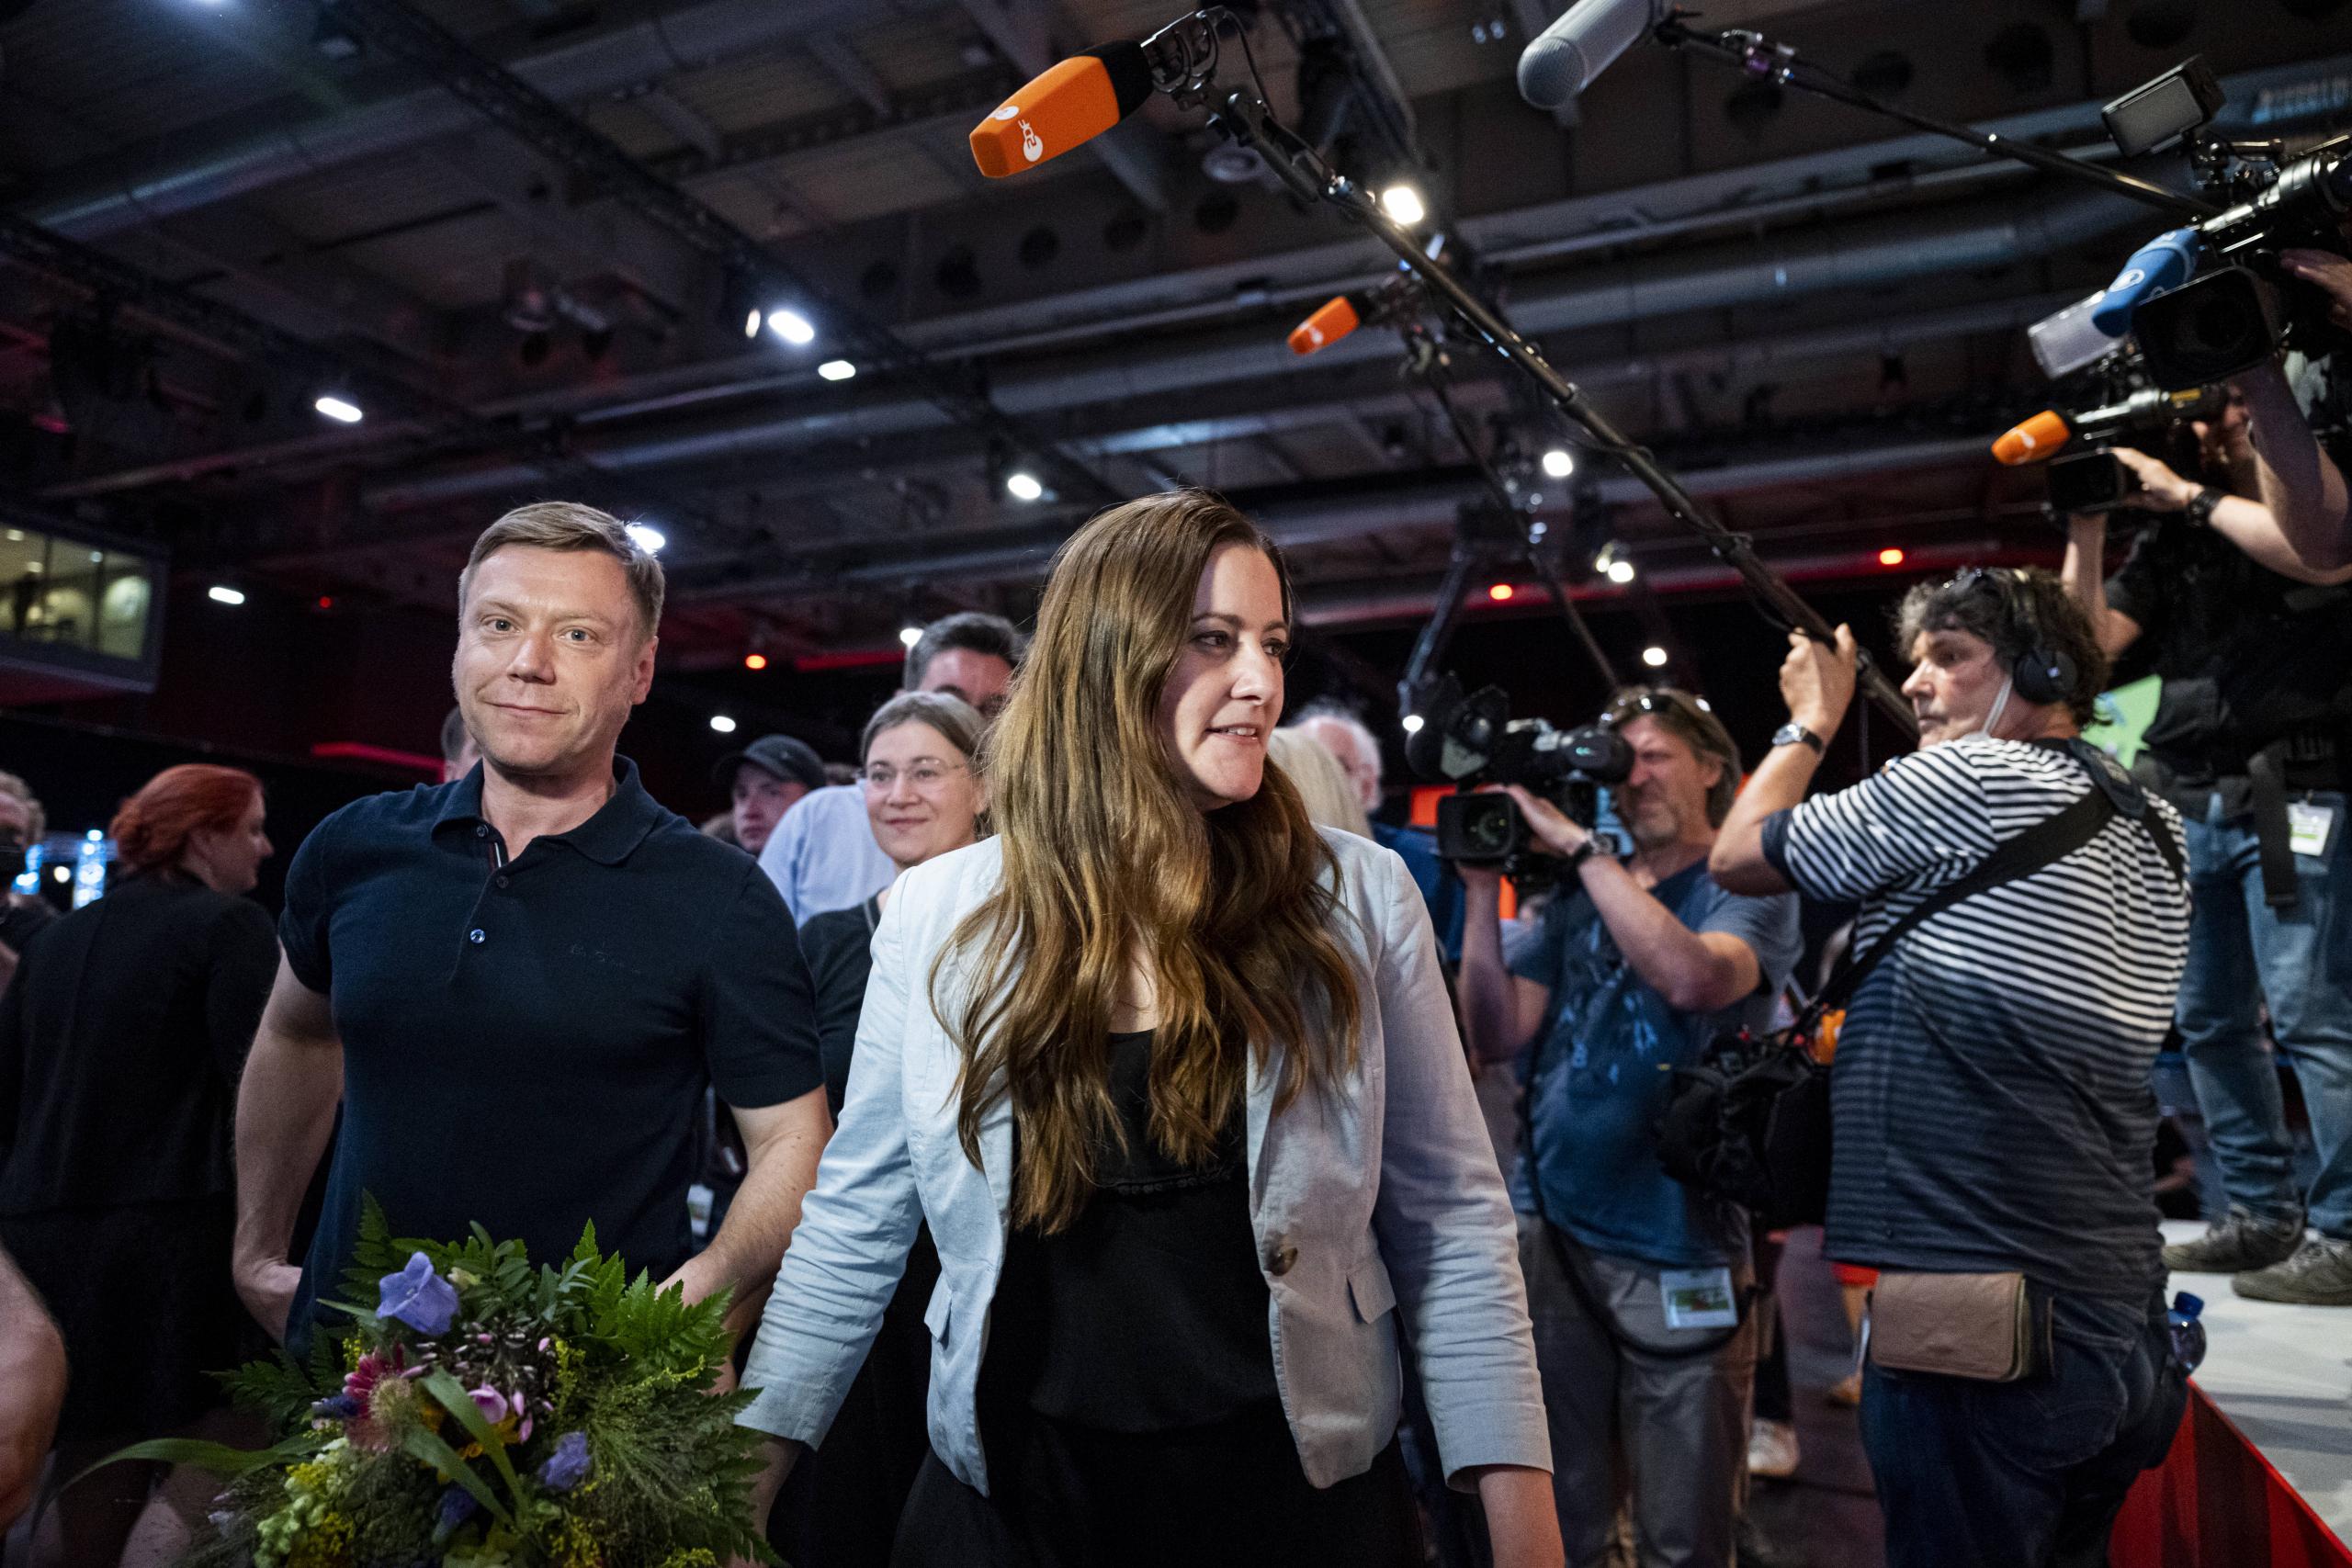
1377 1197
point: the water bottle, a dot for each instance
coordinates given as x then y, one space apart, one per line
2188 1331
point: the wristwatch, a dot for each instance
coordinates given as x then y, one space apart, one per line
1792 733
2200 509
1583 853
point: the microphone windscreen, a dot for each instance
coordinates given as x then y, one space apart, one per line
2037 438
2161 264
1334 320
1070 105
1562 60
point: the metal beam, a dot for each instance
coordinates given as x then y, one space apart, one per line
1022 554
236 159
510 102
848 67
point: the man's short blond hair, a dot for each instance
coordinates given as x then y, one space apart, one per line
568 525
39 819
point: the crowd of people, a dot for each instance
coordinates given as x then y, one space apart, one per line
1103 1175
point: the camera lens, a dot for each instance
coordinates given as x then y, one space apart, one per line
1489 830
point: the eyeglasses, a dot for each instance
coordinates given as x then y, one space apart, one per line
926 776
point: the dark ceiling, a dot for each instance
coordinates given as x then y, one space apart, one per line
536 284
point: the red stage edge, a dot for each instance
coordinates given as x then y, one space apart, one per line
2216 1503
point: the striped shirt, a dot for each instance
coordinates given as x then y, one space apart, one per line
1990 1098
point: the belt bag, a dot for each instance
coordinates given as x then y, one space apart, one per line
1989 1327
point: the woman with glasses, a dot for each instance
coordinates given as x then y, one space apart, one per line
924 797
1173 1077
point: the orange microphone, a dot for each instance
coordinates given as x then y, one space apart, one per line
1333 321
2149 410
2036 439
1071 103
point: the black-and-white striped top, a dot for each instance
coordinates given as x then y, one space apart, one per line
1991 1097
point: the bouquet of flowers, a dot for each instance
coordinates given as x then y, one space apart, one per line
481 1413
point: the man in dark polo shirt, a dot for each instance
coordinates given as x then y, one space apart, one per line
521 983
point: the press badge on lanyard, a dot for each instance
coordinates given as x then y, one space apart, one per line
1698 1298
2308 827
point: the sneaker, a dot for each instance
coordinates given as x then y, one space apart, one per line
2239 1244
2318 1274
1771 1450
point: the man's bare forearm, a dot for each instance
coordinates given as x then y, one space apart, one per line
286 1105
1483 984
2300 483
782 1146
32 1369
1672 960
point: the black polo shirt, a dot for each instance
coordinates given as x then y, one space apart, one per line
526 1043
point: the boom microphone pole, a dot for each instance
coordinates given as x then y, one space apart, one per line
1083 97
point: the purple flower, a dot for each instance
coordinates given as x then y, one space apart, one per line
458 1505
418 1297
568 1465
341 1407
490 1401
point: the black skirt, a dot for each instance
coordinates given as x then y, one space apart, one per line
1232 1492
143 1297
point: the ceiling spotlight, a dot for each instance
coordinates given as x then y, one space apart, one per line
342 410
751 324
222 593
837 370
1890 556
1403 204
63 872
755 661
1654 656
1621 571
1412 722
648 537
1500 593
1560 463
791 326
909 634
721 723
1022 485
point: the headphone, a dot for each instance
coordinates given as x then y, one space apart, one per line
2040 674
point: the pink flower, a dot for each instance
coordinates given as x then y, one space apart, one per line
490 1401
373 1369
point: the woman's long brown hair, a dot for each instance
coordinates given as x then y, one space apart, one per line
1106 858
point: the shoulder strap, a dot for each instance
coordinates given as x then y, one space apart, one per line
2047 841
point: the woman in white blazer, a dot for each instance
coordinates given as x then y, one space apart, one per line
1175 1081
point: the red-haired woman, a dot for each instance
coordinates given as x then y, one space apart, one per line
120 1042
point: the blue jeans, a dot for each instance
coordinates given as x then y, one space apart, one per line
2298 959
2027 1475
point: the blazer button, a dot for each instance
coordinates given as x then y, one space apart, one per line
1279 1264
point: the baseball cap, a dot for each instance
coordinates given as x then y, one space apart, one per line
795 762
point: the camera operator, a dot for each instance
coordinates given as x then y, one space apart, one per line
1993 1117
2298 474
1637 1289
2250 741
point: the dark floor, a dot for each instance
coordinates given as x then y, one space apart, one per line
1825 1516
